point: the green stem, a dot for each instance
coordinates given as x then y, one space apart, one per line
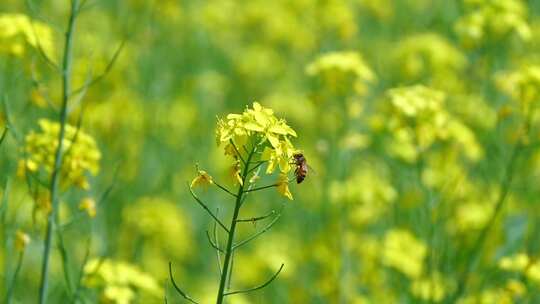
476 250
232 229
14 279
66 88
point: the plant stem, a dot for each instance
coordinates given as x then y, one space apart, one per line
476 250
14 279
66 88
232 229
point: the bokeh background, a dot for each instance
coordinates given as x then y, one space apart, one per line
417 117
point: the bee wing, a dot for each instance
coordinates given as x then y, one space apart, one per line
311 170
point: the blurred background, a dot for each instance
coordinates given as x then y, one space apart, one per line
417 117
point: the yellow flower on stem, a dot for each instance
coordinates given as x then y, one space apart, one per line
203 179
21 240
235 173
88 205
283 186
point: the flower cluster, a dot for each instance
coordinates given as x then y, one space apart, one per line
522 264
155 219
369 201
431 289
119 282
428 54
336 69
523 86
17 31
256 130
493 19
404 252
80 153
418 119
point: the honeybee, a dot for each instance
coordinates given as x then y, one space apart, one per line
301 167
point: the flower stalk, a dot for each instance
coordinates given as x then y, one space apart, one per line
232 229
55 175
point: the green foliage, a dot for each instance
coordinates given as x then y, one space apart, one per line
420 119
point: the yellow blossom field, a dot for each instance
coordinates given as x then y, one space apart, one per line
222 151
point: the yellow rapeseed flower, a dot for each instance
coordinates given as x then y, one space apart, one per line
88 205
430 288
492 20
518 262
418 119
18 30
203 179
404 252
81 155
21 240
334 68
257 129
283 186
119 281
523 86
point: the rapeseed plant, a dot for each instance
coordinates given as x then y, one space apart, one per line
252 140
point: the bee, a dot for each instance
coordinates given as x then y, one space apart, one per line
301 167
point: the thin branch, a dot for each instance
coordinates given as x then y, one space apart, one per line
238 152
37 84
35 15
67 64
261 188
207 209
11 287
4 133
100 201
81 94
258 233
257 287
218 255
257 166
108 68
107 191
9 123
183 294
65 258
229 279
214 245
81 272
42 53
74 138
224 189
249 187
259 218
165 290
